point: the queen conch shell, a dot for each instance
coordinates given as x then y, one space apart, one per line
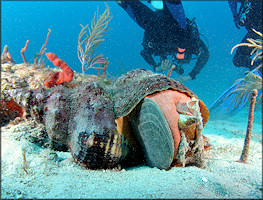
129 94
99 122
83 118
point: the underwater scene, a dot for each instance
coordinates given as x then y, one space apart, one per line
131 99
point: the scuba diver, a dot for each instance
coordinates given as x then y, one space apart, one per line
249 15
168 33
230 101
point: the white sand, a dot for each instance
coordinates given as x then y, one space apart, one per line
49 177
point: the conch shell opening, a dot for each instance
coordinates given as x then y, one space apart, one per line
191 148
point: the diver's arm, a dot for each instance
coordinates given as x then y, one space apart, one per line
176 9
201 61
146 54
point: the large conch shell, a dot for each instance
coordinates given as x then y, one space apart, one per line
141 115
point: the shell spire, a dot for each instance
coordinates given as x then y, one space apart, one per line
32 101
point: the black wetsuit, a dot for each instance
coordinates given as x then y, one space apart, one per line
164 35
242 57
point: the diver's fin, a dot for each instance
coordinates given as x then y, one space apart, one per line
158 5
223 107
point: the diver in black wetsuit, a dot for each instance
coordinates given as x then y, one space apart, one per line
168 32
250 16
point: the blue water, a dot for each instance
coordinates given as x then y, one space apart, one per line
30 20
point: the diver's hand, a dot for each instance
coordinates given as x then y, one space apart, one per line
165 64
184 78
158 68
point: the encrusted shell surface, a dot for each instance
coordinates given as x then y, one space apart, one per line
94 139
129 89
83 118
32 101
57 111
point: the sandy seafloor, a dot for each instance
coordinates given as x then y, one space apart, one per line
51 177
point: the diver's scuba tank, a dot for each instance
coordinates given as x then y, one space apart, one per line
193 33
194 29
196 34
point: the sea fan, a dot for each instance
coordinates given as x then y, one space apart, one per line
256 44
251 80
243 92
91 40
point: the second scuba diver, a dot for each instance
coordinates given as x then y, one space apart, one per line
249 16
